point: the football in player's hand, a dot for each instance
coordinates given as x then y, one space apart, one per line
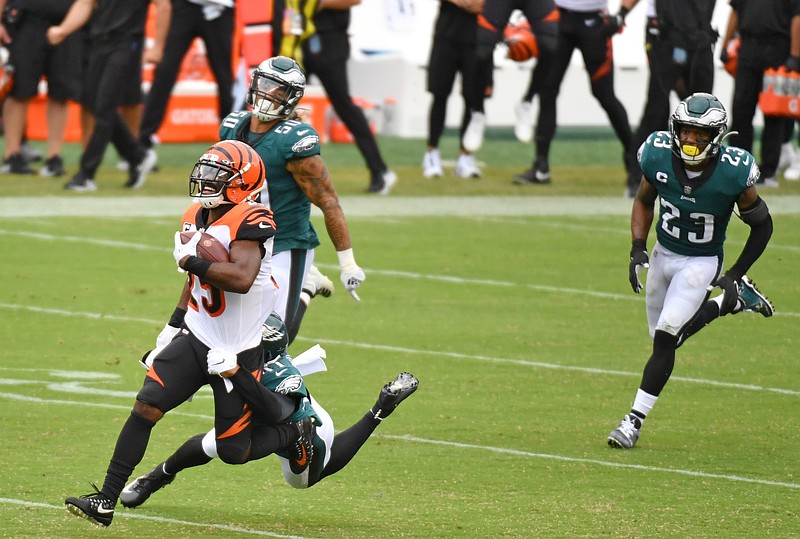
208 248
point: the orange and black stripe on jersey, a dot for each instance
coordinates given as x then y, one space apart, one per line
246 221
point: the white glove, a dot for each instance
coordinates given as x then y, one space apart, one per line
187 249
220 361
352 275
166 336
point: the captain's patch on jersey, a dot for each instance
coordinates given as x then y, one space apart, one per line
305 143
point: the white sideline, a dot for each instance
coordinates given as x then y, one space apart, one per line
355 206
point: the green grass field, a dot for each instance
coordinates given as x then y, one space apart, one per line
511 304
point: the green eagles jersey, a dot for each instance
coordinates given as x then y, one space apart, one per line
287 140
281 376
694 213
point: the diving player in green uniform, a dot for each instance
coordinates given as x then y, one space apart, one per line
303 465
697 181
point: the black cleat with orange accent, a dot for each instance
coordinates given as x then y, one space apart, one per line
303 450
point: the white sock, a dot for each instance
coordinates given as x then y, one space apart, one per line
644 402
739 304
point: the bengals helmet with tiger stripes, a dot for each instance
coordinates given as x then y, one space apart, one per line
229 172
521 41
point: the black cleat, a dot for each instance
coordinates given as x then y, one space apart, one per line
303 449
539 173
96 507
139 490
393 394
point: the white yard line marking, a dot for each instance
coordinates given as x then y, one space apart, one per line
82 239
503 450
562 458
127 514
434 353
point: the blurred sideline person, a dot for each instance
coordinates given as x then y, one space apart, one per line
298 178
213 22
770 37
543 18
679 42
227 304
587 26
33 57
131 98
698 180
452 52
116 35
329 453
325 55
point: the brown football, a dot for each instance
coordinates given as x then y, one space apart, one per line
208 248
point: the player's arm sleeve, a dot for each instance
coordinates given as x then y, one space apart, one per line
756 216
270 407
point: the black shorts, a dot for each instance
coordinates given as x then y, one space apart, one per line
33 58
449 57
130 93
124 56
497 13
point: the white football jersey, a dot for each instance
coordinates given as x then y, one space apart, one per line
227 320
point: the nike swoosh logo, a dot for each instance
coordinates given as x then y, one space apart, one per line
280 372
263 225
303 132
103 511
304 458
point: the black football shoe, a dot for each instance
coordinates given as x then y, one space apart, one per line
302 452
96 507
393 394
139 490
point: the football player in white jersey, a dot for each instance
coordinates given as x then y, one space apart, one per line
226 304
302 466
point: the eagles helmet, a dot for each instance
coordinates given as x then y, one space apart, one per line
704 111
275 89
229 172
274 337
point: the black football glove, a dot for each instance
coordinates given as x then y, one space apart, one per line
730 287
613 24
639 260
792 63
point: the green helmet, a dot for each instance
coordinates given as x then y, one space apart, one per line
274 338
